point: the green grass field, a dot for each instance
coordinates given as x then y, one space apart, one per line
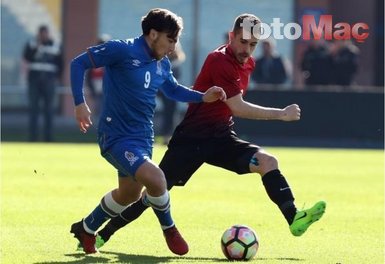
47 187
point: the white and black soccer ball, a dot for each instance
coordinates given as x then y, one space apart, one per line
239 242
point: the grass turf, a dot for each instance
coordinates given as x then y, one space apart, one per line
46 187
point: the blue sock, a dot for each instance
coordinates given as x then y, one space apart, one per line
97 217
107 209
161 207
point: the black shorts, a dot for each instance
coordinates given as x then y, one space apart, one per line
185 155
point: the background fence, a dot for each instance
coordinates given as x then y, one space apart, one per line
331 118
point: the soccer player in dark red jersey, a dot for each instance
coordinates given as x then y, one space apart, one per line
206 134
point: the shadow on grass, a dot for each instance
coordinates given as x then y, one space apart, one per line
105 257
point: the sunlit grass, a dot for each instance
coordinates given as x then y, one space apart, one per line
46 187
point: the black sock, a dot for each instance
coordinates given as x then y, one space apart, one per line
127 216
280 193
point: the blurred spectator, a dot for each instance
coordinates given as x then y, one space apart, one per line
45 64
345 62
317 64
94 81
270 68
169 106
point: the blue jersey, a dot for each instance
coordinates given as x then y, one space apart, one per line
130 85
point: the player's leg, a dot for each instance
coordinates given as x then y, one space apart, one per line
178 164
127 159
280 193
157 196
129 214
111 205
180 161
243 157
276 186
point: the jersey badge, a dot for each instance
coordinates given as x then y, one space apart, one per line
136 63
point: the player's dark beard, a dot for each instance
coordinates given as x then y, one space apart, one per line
242 57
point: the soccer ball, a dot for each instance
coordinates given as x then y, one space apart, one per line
239 242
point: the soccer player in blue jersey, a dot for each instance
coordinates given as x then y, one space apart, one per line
134 71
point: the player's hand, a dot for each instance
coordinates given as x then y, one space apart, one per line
213 94
291 113
83 117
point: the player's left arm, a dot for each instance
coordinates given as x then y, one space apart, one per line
244 109
172 89
184 94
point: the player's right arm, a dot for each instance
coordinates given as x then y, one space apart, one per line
95 57
82 112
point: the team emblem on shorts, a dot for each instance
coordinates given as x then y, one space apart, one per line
130 157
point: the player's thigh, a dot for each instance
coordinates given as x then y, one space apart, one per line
180 162
232 154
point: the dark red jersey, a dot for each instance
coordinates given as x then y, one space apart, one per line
215 119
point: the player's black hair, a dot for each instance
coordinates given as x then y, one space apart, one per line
162 20
254 20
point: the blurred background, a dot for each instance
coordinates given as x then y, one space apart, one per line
338 84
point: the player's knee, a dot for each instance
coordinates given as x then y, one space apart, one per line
157 186
161 183
152 177
271 162
263 162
